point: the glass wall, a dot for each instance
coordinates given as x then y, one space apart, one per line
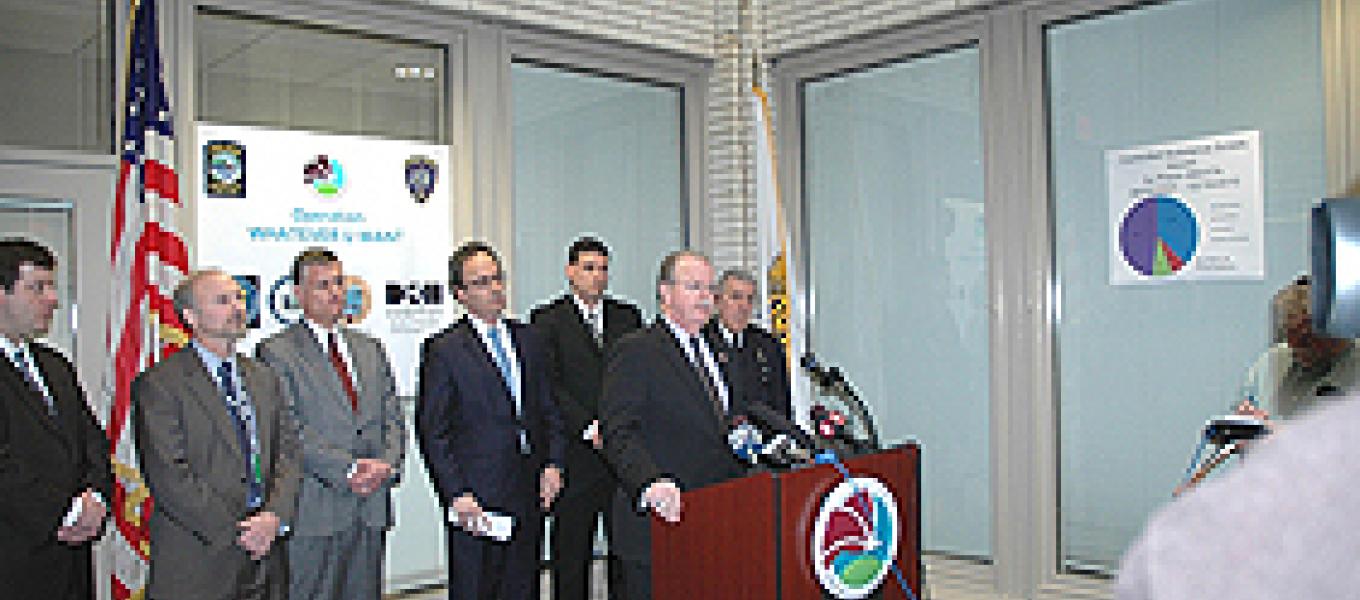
893 192
57 73
596 155
259 72
1142 367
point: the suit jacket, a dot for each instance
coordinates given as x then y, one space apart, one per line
44 463
192 460
658 419
466 422
332 434
758 371
576 364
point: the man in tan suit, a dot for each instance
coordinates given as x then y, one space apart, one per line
339 388
220 455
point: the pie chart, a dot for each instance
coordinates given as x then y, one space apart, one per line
1158 236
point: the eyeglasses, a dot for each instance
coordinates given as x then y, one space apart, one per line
486 280
695 286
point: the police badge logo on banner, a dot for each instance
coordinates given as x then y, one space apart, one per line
421 174
224 169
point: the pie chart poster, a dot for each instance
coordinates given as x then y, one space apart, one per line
1187 210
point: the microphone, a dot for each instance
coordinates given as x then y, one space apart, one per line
831 424
746 441
832 380
774 421
783 451
820 375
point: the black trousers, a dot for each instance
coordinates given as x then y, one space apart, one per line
587 497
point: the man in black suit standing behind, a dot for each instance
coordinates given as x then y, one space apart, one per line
752 360
579 328
55 478
665 414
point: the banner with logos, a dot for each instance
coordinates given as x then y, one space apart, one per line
382 205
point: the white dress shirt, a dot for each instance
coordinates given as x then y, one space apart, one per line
706 360
508 345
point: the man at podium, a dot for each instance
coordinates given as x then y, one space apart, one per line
665 415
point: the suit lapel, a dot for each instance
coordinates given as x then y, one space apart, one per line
472 343
613 321
264 422
679 360
521 357
580 324
31 399
201 386
358 370
314 353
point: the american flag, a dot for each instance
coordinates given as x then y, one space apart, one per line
149 259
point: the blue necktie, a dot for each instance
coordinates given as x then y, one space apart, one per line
244 415
502 361
508 375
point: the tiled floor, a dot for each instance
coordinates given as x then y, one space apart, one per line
597 589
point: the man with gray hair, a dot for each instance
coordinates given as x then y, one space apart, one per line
220 456
753 361
664 412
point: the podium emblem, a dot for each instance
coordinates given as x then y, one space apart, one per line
854 538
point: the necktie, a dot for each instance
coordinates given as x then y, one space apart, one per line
338 362
709 385
596 330
502 361
244 415
31 376
508 375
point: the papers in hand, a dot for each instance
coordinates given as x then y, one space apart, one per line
489 524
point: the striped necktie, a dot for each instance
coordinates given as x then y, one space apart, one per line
34 379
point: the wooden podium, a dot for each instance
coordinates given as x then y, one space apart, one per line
752 537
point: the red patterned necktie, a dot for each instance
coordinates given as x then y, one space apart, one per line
338 362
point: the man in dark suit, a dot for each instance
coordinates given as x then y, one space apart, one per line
55 479
753 361
579 328
341 392
664 414
490 434
220 455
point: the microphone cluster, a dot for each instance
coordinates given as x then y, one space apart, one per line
830 424
750 446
